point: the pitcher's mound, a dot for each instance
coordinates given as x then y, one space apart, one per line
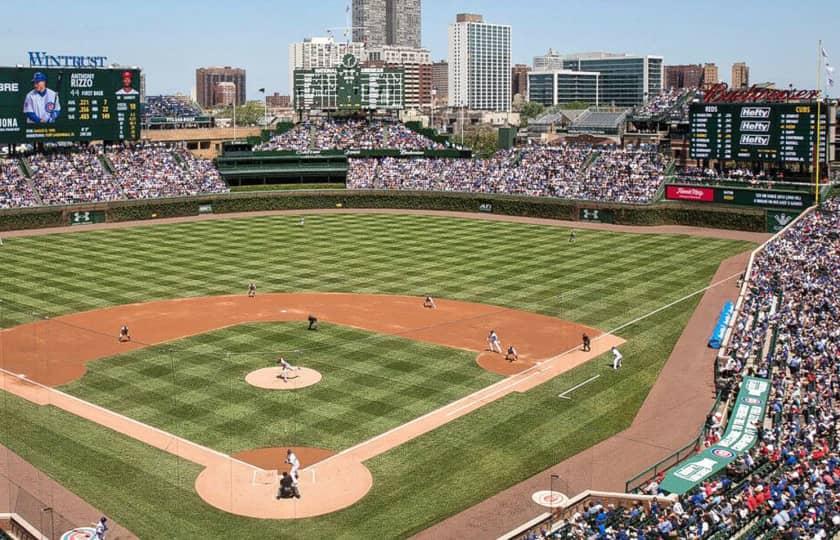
496 363
269 378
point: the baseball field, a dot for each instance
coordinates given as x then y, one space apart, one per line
383 365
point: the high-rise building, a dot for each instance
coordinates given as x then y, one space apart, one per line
320 52
559 86
710 75
624 80
740 75
224 94
387 22
206 80
519 79
440 81
479 64
416 64
278 101
684 76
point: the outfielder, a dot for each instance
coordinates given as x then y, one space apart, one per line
41 105
429 303
616 358
252 290
572 236
494 342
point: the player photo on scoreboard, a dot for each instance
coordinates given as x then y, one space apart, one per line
41 105
127 88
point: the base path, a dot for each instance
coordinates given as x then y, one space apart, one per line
55 351
670 417
42 354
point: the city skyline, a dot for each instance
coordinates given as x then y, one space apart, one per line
169 49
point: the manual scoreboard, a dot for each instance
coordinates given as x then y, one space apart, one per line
349 87
69 104
781 132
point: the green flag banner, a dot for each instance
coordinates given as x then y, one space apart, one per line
747 415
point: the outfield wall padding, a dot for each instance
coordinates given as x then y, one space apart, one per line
737 218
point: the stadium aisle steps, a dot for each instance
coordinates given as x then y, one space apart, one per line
107 165
27 173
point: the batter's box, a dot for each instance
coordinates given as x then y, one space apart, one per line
264 477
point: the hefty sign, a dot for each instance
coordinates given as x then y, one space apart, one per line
689 193
748 139
755 112
754 125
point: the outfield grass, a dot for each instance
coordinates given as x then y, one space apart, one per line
195 387
287 187
604 280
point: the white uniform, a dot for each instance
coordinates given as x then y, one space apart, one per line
45 106
285 368
129 92
293 460
616 358
495 344
99 532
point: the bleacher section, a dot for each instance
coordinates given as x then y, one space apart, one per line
600 122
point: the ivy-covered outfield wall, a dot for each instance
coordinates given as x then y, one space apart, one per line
740 218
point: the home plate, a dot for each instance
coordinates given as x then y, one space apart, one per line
549 499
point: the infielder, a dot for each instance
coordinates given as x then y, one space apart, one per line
494 343
429 303
41 105
252 290
512 354
124 335
293 460
285 368
616 358
101 529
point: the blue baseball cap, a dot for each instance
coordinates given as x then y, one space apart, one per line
39 76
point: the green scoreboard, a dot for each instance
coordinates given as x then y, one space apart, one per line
69 104
780 132
349 87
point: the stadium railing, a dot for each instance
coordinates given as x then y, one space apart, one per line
673 459
555 519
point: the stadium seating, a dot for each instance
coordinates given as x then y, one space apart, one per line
566 171
140 172
599 122
348 135
170 107
15 190
788 485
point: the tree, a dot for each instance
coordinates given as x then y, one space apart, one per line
531 109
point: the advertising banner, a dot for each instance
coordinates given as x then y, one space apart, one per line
747 415
743 197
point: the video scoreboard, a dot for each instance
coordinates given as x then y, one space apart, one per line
349 87
69 104
781 132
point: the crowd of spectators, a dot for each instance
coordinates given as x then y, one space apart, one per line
152 171
15 191
664 103
764 179
138 172
331 134
788 484
627 175
170 107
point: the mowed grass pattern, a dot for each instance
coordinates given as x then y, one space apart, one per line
196 387
605 280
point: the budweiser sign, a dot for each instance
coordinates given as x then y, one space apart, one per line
720 93
689 193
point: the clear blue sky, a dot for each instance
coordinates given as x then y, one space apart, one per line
169 39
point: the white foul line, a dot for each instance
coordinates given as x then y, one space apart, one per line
587 381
